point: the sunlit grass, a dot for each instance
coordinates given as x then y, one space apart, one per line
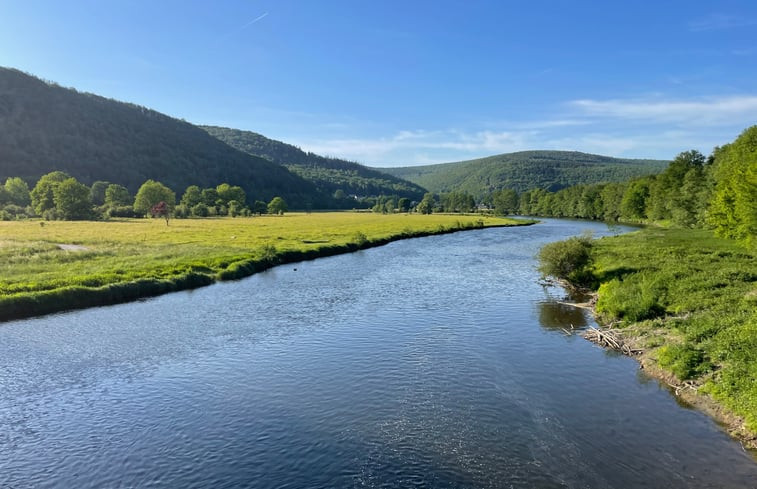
132 250
700 293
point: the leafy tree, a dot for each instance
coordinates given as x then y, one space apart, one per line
200 210
505 202
259 207
235 208
691 198
457 202
612 196
181 211
733 209
152 193
390 206
379 204
426 206
403 204
277 206
72 200
117 196
97 192
590 205
17 192
42 193
227 193
634 202
209 197
161 209
192 196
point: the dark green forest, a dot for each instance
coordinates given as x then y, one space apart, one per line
45 127
525 170
329 175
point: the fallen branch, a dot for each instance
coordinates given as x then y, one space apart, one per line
608 339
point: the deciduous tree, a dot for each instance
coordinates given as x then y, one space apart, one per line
72 200
151 193
42 194
277 206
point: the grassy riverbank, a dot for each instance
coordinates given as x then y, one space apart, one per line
123 260
688 300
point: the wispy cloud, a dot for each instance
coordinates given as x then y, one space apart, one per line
423 146
720 22
645 127
243 27
698 112
256 19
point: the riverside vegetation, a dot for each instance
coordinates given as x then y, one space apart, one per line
126 259
683 291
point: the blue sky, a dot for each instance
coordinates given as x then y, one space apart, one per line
394 83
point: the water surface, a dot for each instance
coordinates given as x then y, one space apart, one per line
432 362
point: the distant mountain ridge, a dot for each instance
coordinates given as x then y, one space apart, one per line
525 170
45 127
327 174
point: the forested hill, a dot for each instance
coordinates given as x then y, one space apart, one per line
525 170
45 127
328 174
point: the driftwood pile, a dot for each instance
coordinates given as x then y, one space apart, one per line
609 339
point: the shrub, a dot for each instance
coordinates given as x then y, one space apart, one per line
684 361
121 211
569 259
634 299
360 239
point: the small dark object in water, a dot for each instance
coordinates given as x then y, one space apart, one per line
295 269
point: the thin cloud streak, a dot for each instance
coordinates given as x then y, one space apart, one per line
245 26
720 22
260 17
632 128
709 111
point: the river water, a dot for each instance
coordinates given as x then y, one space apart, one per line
433 362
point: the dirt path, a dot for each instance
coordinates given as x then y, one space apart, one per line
72 247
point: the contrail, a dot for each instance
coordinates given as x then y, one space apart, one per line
232 33
253 21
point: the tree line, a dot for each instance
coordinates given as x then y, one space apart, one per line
59 196
694 191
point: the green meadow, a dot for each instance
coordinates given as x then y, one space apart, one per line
121 260
689 300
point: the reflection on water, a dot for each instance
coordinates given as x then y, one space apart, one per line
560 315
434 362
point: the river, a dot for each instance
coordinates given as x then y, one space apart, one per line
432 362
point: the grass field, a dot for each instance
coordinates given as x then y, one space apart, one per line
120 260
690 301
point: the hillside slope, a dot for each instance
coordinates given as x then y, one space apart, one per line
45 127
327 174
551 170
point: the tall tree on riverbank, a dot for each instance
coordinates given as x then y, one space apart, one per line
733 209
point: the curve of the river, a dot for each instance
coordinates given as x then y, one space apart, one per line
432 362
